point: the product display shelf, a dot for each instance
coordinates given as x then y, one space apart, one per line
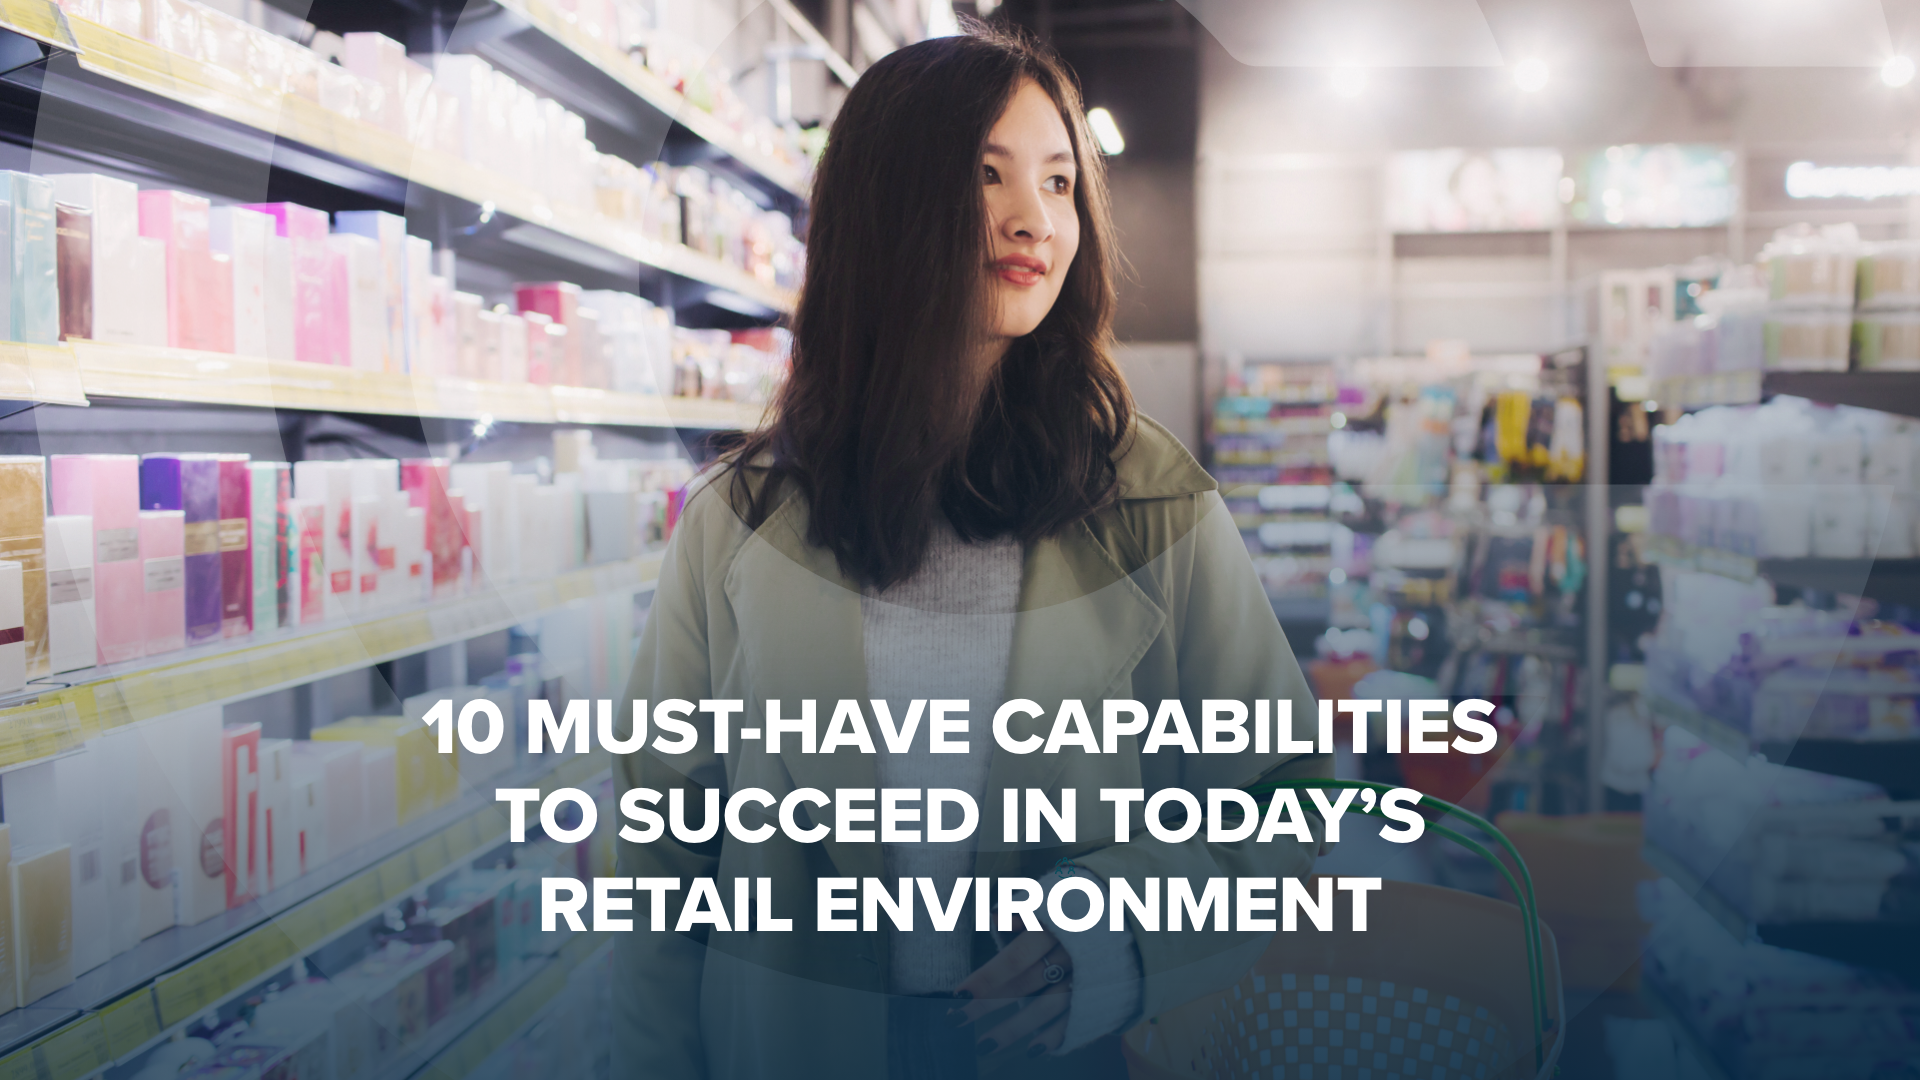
1894 765
1895 581
158 374
515 1012
1888 391
126 1006
1892 946
360 146
554 59
54 719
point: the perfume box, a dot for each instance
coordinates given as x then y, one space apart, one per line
70 593
559 301
111 279
186 750
243 845
488 488
426 322
515 365
106 489
330 484
307 584
236 545
164 569
540 347
181 221
342 796
36 275
425 482
42 887
467 350
241 235
191 483
314 312
147 291
73 248
281 840
360 275
23 516
59 802
13 646
389 234
277 290
271 485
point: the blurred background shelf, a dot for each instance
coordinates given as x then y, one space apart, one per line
1894 764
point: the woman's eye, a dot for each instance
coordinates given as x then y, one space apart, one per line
989 175
1059 185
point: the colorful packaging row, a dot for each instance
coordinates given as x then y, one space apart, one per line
453 104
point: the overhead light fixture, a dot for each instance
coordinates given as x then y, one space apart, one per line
1105 131
1349 81
1530 75
1897 71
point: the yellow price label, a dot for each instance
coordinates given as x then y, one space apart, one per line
77 1050
129 1023
397 876
181 994
20 1065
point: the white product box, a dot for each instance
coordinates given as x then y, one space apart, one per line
70 608
185 747
241 235
115 206
330 483
277 297
277 826
13 618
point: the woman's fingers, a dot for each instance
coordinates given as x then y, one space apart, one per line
1016 972
1038 1014
1049 1038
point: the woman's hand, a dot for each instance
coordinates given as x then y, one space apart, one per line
1034 964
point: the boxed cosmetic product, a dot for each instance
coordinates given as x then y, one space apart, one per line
360 277
270 486
425 482
58 803
375 486
488 361
41 882
559 302
9 954
236 545
413 553
341 778
73 247
182 222
106 489
544 340
489 488
315 309
70 600
425 324
112 276
241 235
380 765
330 484
514 362
309 809
280 858
423 777
186 751
23 516
138 838
525 550
147 291
308 589
277 297
610 526
242 836
36 274
191 483
465 361
389 235
164 570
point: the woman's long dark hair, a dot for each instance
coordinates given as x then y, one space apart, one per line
887 420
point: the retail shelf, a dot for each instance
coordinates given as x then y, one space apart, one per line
125 1006
1890 946
1892 580
156 374
1700 391
1894 765
518 1012
360 156
545 48
1887 391
57 718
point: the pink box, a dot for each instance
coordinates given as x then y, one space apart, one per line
181 221
163 551
425 482
560 302
315 315
540 347
106 488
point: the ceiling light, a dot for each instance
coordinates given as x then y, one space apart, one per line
1105 131
1530 75
1897 71
1349 82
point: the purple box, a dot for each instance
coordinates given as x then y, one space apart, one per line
191 483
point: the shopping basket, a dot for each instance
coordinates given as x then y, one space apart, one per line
1443 985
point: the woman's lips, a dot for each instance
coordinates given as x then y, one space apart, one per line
1020 270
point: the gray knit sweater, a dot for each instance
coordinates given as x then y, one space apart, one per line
947 632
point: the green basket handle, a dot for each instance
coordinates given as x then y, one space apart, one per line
1522 889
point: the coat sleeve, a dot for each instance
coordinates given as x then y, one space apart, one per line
1228 645
656 996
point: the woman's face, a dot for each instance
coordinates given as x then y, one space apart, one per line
1029 173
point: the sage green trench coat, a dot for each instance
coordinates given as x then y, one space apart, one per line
1153 598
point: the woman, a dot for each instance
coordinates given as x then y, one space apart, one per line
955 500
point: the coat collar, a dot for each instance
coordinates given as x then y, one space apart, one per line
1082 624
